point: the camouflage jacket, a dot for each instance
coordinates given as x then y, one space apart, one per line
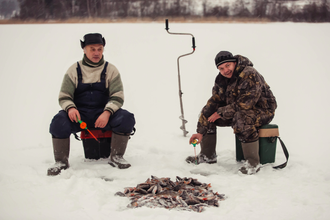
245 90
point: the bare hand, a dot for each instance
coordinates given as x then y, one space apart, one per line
214 117
102 120
197 137
73 113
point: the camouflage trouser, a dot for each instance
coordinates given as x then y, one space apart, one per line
245 123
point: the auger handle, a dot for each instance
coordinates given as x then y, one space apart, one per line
193 43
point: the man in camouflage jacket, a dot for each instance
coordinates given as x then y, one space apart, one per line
242 99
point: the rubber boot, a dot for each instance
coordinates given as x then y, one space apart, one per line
61 154
118 148
207 154
252 160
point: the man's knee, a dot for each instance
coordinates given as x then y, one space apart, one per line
60 127
123 121
244 125
129 120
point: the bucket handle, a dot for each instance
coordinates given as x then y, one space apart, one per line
286 153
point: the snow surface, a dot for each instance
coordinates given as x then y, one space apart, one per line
293 58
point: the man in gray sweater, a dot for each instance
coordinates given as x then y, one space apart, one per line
91 91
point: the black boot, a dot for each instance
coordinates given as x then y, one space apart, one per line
61 154
207 154
252 160
118 148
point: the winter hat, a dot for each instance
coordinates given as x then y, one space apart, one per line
94 38
224 57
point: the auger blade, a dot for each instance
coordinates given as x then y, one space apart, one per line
183 127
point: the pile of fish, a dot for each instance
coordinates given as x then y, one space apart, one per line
184 194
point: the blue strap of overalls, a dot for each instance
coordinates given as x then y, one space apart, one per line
102 74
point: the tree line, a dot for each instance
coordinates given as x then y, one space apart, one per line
275 10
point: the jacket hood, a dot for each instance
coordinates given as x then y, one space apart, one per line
242 62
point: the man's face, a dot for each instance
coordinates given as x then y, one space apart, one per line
227 69
94 52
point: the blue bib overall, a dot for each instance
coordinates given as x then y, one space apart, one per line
90 100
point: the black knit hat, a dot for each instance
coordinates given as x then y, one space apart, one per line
89 39
224 57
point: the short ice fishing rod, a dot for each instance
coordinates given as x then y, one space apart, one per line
83 125
183 127
194 142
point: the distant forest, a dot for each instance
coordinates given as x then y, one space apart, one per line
274 10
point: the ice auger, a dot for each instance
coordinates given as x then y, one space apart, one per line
184 121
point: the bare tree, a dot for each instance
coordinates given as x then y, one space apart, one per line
260 8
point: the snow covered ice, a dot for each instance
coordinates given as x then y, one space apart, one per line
292 57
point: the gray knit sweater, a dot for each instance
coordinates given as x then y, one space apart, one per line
92 75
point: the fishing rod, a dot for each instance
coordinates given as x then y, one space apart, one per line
184 121
83 125
194 142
